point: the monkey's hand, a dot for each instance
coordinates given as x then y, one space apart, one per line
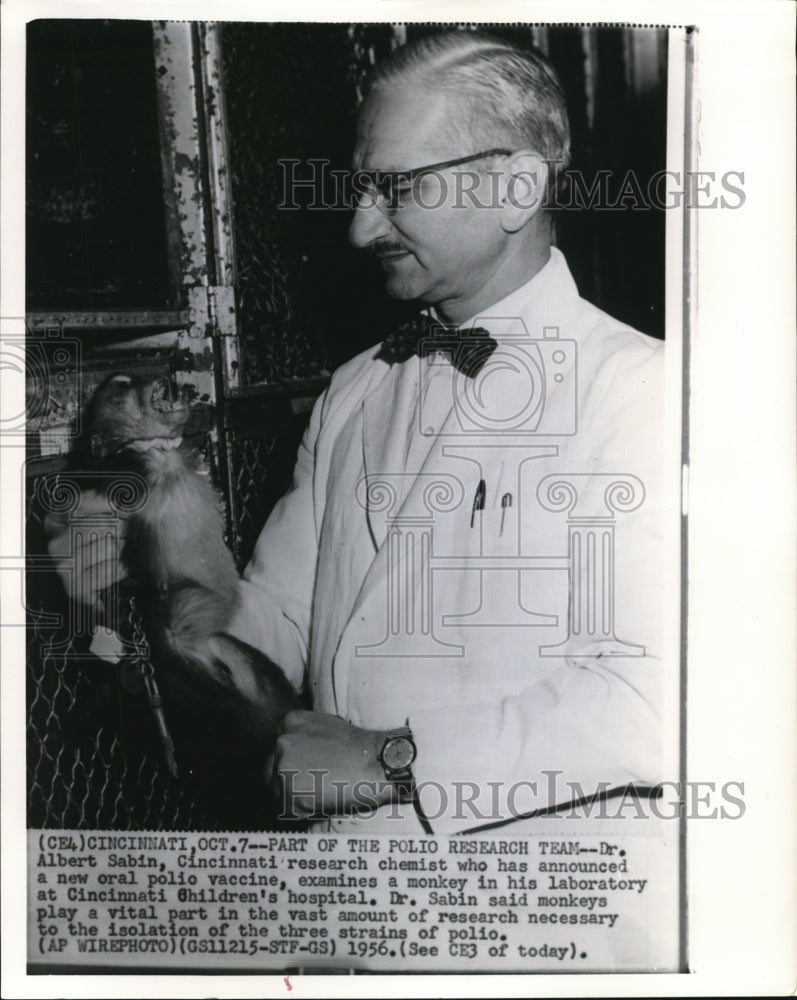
325 766
87 562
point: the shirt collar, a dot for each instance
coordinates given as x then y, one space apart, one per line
516 304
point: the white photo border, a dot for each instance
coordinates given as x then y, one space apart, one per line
740 496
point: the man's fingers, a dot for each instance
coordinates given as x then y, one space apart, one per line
94 565
269 773
296 720
86 543
56 528
92 549
295 799
93 502
54 524
93 579
293 789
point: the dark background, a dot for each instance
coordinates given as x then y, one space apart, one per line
96 234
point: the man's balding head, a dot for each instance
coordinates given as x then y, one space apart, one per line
500 94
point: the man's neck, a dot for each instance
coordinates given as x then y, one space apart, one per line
505 280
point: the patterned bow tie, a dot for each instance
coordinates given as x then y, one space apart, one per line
421 335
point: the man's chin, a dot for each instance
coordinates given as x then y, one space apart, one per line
399 286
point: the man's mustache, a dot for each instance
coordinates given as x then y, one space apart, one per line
382 247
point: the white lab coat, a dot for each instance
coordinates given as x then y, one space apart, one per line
496 643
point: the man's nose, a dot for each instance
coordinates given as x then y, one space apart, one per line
369 224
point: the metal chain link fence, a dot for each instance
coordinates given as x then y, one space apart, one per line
250 454
98 754
291 92
93 754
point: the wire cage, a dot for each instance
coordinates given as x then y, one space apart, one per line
92 760
98 753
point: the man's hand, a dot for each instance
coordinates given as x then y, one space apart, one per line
325 766
95 564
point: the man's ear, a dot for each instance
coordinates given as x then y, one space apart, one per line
526 181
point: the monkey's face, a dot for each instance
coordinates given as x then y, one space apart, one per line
134 412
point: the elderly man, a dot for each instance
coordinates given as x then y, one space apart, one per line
466 569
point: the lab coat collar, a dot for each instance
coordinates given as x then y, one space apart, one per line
548 300
552 280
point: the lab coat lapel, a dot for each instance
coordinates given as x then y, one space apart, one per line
387 413
427 494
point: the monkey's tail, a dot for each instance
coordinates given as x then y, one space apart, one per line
194 633
192 615
254 676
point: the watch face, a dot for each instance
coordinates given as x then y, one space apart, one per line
397 753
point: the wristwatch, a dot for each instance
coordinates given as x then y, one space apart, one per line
396 757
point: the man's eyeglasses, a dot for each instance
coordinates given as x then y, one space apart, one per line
388 187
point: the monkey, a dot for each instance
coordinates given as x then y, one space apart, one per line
224 699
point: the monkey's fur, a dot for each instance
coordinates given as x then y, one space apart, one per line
224 699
